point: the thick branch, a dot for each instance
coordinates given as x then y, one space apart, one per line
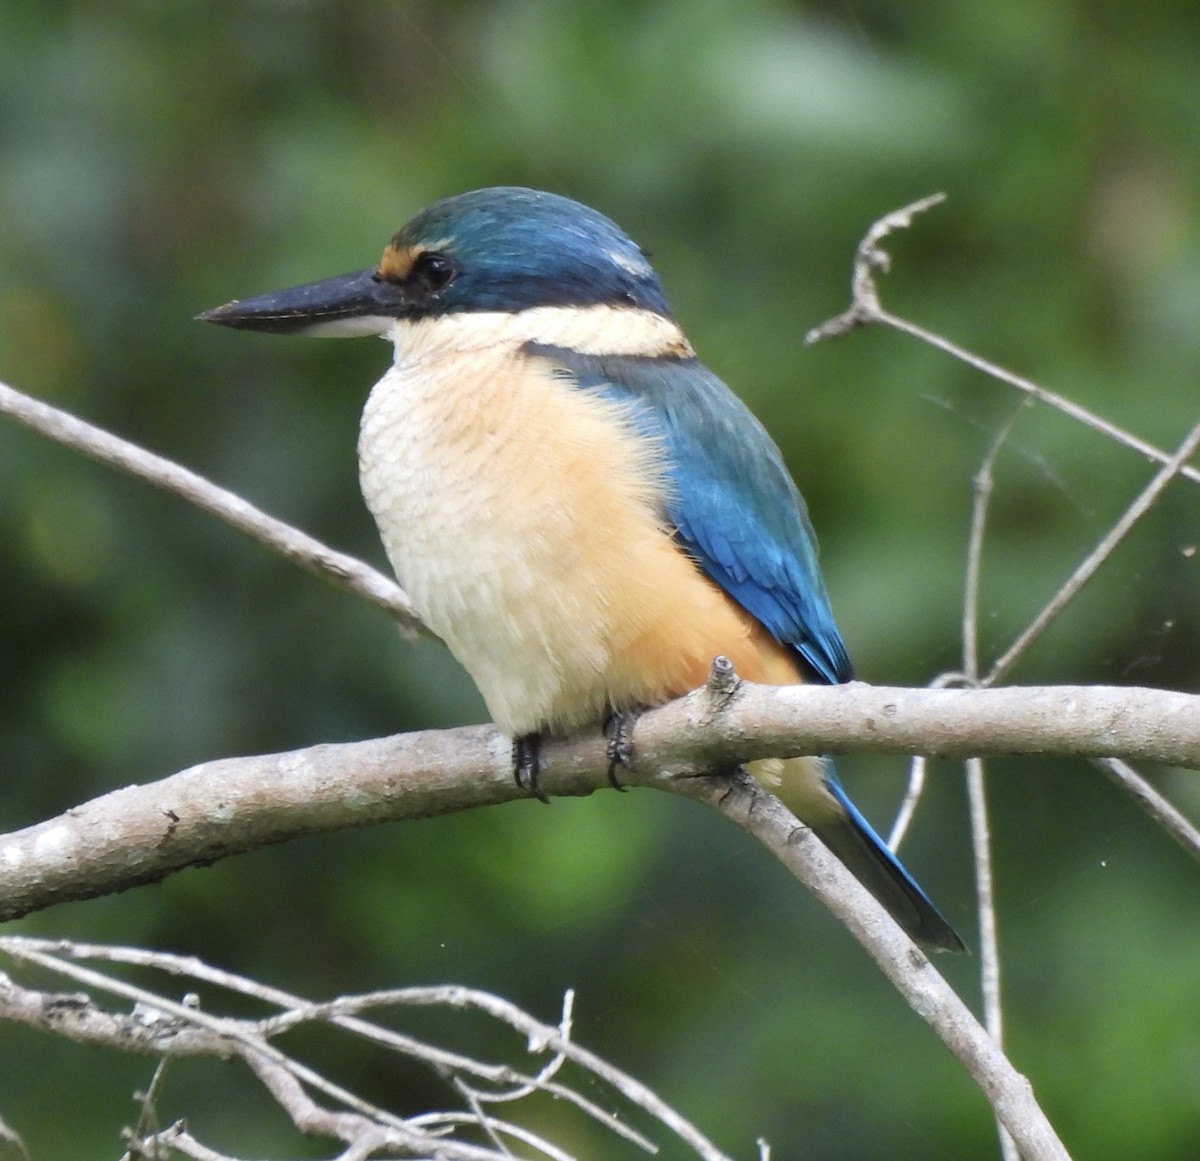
140 834
1010 1094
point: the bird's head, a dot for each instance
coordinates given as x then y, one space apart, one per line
500 250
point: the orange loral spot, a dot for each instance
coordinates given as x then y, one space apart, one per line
396 263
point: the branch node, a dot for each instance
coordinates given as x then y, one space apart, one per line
870 257
723 683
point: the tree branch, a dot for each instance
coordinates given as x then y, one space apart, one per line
164 1027
744 802
1091 563
1181 829
346 572
866 309
142 833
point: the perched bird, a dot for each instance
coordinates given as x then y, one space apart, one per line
580 509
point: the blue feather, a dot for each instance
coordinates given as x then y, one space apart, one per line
738 514
731 501
872 863
525 248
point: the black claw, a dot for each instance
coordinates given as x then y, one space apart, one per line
619 729
527 766
731 773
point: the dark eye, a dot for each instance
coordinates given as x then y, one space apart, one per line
436 271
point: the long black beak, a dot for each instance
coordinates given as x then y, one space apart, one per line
346 306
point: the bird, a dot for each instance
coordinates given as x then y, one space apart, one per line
577 506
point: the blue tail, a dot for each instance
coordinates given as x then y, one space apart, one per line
866 855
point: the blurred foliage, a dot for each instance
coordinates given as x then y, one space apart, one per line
160 157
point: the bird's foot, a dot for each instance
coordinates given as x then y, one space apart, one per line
527 765
619 729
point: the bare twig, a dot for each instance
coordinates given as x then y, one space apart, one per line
1038 392
908 805
1180 828
1087 568
231 1036
983 484
981 838
491 1127
866 309
164 1027
989 946
918 765
176 1137
344 571
340 1014
147 1122
11 1144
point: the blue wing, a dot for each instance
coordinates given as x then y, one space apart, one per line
738 514
731 500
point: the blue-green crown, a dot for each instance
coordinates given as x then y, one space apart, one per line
515 248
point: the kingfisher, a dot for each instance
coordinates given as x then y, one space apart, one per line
581 510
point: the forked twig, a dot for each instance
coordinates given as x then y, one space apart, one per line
167 1028
865 308
981 831
913 792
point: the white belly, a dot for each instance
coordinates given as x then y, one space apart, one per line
486 476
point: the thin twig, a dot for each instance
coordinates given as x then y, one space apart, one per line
983 484
366 1146
1087 569
233 1031
981 836
989 947
545 1036
251 1034
176 1137
1035 391
11 1143
489 1127
866 309
908 805
147 1121
344 571
1179 827
298 1011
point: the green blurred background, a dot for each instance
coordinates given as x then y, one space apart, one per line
160 158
